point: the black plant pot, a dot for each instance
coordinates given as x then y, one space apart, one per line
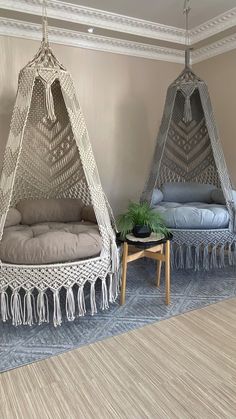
141 231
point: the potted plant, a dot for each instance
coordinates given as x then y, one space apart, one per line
141 220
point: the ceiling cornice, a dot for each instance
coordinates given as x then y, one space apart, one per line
20 29
213 26
116 22
93 17
99 18
216 48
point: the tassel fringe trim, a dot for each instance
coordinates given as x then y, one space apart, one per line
50 103
70 304
204 257
5 310
24 307
187 110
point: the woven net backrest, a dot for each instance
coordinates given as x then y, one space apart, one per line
49 163
188 155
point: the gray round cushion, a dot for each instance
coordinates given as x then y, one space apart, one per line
186 192
195 215
50 243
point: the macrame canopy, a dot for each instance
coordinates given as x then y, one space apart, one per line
188 147
49 155
48 152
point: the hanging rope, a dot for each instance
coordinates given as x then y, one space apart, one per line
187 117
186 11
48 90
45 22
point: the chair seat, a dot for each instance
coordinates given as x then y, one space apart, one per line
50 243
194 215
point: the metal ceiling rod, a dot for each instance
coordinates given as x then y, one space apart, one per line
186 11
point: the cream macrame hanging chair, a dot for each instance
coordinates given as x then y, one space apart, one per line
49 155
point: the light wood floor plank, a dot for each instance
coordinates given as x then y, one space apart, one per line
180 368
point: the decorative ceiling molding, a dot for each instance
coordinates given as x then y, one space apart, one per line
216 48
99 18
116 22
213 26
20 29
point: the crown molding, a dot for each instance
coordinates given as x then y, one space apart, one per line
213 26
216 48
58 9
98 18
20 29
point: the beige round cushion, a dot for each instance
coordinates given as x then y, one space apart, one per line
50 210
50 243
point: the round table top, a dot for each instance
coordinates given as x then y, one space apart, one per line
154 237
153 240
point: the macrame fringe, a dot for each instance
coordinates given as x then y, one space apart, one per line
221 262
234 255
213 260
197 260
70 304
115 257
114 276
93 304
16 309
50 103
29 309
57 319
104 301
204 257
206 260
5 312
81 301
179 257
111 288
230 255
172 257
114 285
187 110
42 307
189 258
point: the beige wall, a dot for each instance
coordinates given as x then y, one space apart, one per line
122 99
220 75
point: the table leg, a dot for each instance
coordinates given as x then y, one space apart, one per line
124 273
159 264
167 272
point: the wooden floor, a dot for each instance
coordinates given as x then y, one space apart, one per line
184 367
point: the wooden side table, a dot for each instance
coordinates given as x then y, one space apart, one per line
160 251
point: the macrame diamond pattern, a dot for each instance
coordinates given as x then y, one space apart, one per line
48 155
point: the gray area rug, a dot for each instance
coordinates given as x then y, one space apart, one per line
144 304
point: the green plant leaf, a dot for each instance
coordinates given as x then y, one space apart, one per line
141 214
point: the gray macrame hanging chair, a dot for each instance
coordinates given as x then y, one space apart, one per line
49 155
188 149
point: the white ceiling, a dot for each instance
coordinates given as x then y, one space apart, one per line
159 35
167 12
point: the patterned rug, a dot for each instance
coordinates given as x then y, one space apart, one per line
144 304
